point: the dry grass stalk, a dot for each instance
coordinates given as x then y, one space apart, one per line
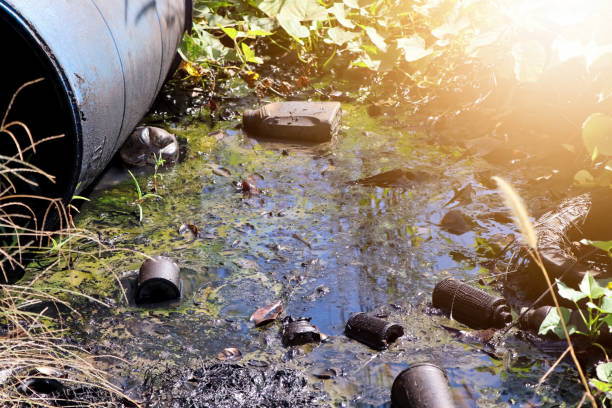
519 211
30 340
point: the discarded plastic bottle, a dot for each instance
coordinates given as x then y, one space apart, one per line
471 306
372 331
313 122
158 280
421 385
532 320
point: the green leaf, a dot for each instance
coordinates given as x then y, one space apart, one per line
552 322
606 304
270 7
607 319
604 372
351 3
590 287
365 61
378 41
231 32
584 178
294 28
597 133
249 54
569 293
413 48
337 10
339 36
603 245
302 10
529 60
602 386
451 29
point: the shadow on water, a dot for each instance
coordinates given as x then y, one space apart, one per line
327 249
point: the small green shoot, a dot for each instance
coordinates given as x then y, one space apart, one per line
141 197
159 162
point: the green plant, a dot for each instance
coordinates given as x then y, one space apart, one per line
598 309
159 162
141 197
603 382
521 218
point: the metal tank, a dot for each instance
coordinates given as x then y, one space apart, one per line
104 62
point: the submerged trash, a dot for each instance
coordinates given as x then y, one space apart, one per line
146 144
394 178
421 385
43 380
455 222
372 331
296 332
158 280
229 354
324 373
267 314
469 305
305 121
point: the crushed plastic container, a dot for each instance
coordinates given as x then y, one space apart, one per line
313 122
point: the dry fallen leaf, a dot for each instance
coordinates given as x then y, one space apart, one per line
267 314
249 188
222 172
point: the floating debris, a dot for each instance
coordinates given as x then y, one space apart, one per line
229 354
313 122
471 306
158 280
146 144
372 331
394 178
296 332
455 222
420 386
267 314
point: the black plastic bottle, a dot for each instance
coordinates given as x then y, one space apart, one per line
471 306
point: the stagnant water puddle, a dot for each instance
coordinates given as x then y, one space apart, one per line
325 248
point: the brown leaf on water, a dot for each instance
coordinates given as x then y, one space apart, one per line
189 231
222 172
455 222
229 354
249 188
267 314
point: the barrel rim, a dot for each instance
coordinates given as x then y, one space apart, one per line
48 60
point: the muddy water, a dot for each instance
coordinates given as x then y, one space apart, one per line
327 249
